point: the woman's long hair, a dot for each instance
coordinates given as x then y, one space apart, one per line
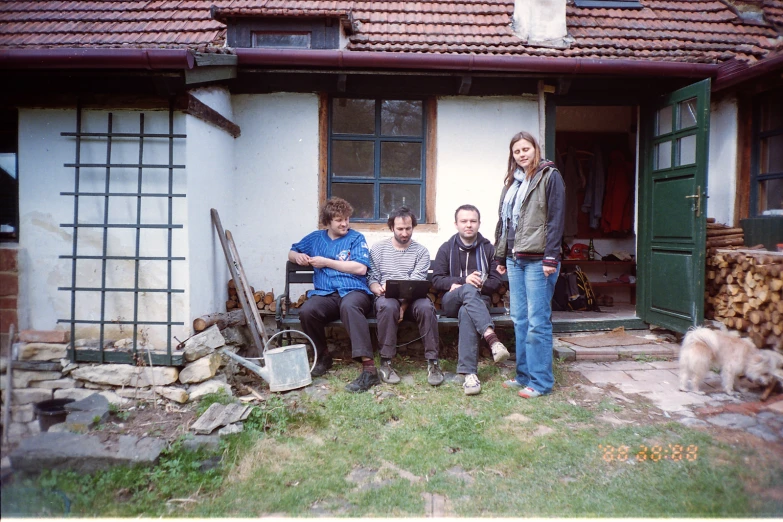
512 164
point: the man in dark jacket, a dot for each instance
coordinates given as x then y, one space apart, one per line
465 268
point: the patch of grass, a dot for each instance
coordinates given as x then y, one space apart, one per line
219 397
643 357
120 491
493 455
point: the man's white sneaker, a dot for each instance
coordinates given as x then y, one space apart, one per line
472 385
499 352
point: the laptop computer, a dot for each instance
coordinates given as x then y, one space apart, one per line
407 289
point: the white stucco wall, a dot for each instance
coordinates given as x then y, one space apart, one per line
722 164
210 154
275 192
42 176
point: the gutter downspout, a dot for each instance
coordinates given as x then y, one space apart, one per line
471 63
92 58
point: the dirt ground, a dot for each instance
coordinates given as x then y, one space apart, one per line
147 420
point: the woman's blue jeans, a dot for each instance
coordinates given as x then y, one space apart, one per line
531 311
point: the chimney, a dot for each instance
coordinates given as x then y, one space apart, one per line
541 22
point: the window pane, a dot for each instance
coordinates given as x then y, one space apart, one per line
353 116
282 40
771 155
401 118
359 196
662 159
772 111
663 121
353 158
771 196
401 160
687 110
395 196
687 150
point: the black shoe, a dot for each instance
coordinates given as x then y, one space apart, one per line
364 382
322 365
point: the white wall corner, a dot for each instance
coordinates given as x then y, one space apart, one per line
541 23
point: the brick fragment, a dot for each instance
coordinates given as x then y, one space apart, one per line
8 257
7 318
8 303
45 336
9 284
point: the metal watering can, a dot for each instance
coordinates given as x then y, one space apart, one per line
285 368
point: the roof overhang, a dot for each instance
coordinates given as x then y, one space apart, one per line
732 73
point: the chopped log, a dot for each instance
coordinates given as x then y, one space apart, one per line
223 320
726 241
257 296
712 232
230 304
269 298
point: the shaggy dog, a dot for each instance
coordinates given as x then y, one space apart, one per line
702 347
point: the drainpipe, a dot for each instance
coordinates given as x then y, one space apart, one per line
93 58
470 63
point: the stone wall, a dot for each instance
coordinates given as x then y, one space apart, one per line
43 371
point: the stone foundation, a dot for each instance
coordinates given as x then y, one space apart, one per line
42 372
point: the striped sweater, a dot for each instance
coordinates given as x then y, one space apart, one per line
386 262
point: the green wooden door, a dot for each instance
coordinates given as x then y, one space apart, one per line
672 192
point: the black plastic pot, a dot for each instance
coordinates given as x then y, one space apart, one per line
51 412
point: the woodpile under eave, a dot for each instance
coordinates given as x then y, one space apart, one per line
744 290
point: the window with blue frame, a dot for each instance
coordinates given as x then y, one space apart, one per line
767 155
377 155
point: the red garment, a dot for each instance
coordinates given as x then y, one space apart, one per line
618 196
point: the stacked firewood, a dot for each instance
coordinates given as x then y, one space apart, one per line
744 290
723 236
264 301
497 297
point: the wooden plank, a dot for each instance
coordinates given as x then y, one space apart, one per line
200 110
431 165
323 145
41 366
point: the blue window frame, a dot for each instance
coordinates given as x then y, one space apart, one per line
766 170
377 155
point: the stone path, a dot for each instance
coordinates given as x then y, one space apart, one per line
658 381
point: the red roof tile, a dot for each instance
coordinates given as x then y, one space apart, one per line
700 31
773 12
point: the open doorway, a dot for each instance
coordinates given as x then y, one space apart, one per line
596 151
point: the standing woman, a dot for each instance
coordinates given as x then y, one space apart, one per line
527 246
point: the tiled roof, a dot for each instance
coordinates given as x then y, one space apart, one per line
773 12
699 31
108 23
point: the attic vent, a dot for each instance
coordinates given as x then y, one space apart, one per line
609 4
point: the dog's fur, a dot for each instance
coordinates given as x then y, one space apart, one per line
703 347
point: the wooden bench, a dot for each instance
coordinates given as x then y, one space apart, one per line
287 317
